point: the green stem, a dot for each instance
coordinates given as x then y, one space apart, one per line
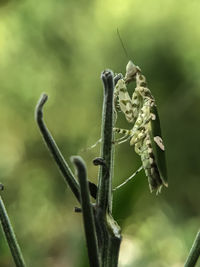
62 164
108 231
88 216
104 199
10 236
114 241
194 252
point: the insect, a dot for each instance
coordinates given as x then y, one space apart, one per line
141 111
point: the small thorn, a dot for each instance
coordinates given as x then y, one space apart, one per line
77 210
99 161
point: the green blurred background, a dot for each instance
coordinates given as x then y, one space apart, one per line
61 47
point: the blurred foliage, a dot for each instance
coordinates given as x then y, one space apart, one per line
61 47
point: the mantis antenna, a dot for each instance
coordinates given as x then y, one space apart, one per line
122 44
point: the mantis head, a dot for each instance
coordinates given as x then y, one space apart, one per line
131 70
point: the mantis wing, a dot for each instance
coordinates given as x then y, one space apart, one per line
158 146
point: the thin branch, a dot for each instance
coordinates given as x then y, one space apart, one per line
62 164
88 216
194 252
104 199
10 236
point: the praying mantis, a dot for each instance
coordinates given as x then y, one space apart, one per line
140 110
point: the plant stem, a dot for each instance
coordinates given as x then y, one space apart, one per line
10 236
104 199
98 221
58 157
108 231
194 252
88 216
114 242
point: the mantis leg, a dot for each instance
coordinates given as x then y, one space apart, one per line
128 179
92 146
124 138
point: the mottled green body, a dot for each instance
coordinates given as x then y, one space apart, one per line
145 135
